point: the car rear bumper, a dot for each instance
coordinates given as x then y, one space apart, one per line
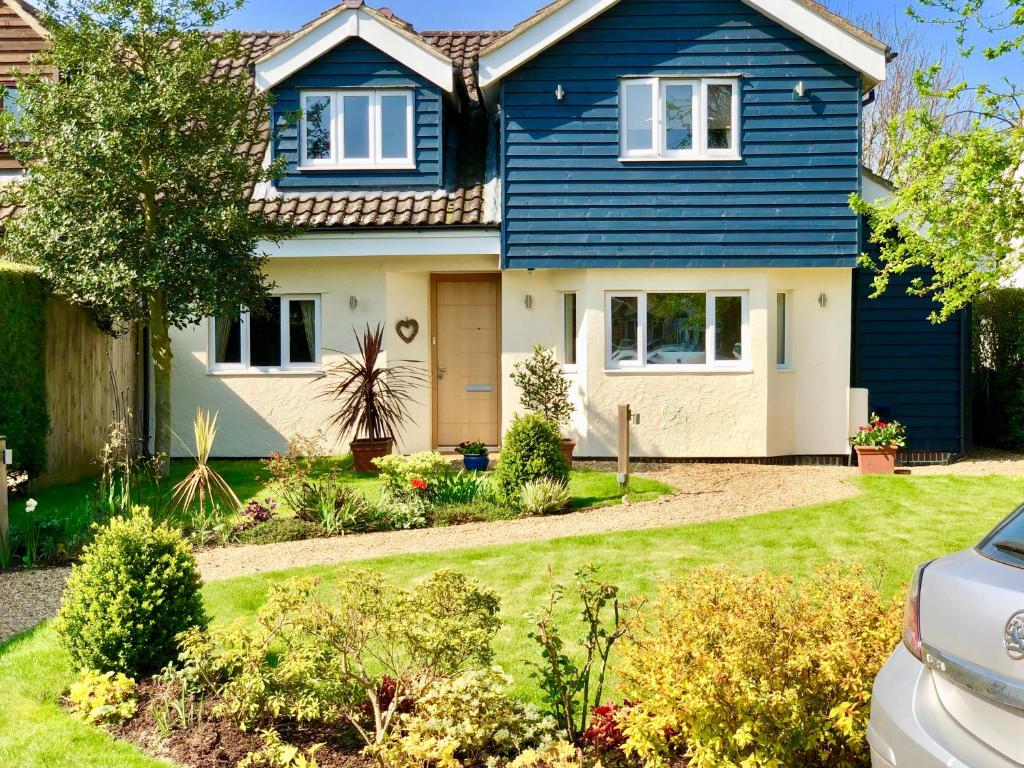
909 727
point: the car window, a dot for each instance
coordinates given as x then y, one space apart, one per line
1006 542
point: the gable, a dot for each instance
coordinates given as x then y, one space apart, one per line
22 36
805 18
350 20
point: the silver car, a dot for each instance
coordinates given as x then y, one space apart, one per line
952 694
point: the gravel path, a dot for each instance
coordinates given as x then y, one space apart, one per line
705 492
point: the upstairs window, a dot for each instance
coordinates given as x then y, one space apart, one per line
670 118
284 335
357 129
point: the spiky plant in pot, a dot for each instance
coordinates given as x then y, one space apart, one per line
373 399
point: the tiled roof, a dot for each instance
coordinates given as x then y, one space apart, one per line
463 48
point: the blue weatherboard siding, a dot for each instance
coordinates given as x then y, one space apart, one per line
569 202
357 64
914 371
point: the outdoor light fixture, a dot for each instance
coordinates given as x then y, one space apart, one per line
800 90
559 92
353 302
528 301
822 300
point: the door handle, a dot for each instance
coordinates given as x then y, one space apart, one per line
441 372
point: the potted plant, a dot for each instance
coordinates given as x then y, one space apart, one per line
544 389
373 399
876 445
474 455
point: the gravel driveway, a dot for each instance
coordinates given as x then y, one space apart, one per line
705 492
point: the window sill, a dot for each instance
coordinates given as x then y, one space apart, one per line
261 372
687 159
785 369
675 371
358 167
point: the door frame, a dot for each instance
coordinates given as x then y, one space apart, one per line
461 277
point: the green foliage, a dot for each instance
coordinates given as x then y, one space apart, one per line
543 388
278 754
23 418
102 697
136 588
336 507
457 487
279 529
572 688
532 450
464 722
880 433
734 669
315 657
398 472
475 512
998 369
544 496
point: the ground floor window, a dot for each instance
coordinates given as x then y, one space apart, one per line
676 330
284 334
783 308
570 329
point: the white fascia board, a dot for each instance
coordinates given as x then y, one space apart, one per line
495 64
818 30
296 53
415 242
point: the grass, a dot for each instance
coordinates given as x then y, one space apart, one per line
895 523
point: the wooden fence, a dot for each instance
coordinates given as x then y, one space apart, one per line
91 379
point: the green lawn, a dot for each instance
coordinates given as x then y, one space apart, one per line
895 523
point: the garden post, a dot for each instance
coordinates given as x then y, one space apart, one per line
623 470
4 522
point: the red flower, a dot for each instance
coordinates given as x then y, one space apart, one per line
864 429
419 484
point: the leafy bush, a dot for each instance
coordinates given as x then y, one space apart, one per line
734 669
311 657
553 754
259 512
276 753
288 470
403 515
466 721
543 496
136 588
23 417
604 735
456 487
532 450
543 387
335 506
102 697
279 529
398 472
474 512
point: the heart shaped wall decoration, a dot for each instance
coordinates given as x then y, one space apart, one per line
407 329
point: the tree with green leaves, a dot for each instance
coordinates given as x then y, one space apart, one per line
955 219
141 163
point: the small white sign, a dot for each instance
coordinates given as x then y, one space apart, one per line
8 456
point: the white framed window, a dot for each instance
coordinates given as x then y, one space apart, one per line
570 330
283 336
357 129
679 118
783 331
677 330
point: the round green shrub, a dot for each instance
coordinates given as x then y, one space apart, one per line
532 449
136 588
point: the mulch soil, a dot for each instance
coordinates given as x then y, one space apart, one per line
218 743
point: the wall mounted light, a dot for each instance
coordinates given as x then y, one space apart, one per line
353 302
528 301
822 300
800 90
559 92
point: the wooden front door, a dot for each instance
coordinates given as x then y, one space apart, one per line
466 358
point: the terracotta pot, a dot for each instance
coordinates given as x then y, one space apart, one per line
365 451
876 459
567 448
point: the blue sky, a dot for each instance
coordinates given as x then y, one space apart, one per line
481 14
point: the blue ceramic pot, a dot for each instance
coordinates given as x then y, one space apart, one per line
476 463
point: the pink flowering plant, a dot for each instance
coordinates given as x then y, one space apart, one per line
260 512
880 434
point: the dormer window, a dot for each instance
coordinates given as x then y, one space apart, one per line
357 129
677 118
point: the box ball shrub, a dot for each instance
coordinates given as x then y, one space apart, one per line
135 589
738 669
532 449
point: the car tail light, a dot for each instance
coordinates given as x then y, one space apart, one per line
912 614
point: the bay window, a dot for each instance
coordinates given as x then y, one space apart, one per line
356 129
678 330
679 118
283 335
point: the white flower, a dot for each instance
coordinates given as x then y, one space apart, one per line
30 505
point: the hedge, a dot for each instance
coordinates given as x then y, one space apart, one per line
998 369
23 414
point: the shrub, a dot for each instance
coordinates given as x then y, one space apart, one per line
553 754
136 588
734 669
288 470
604 735
456 488
398 472
23 417
543 387
310 657
276 753
532 450
259 512
543 496
474 512
468 720
102 697
280 529
335 506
